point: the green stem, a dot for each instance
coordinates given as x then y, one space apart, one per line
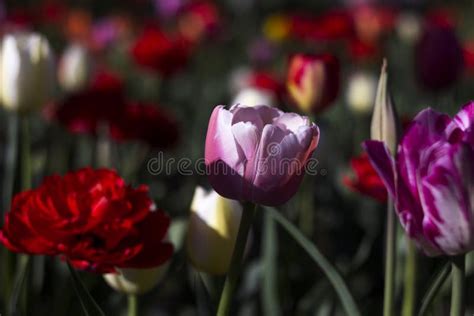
409 296
390 258
458 286
26 180
25 168
236 260
132 305
269 286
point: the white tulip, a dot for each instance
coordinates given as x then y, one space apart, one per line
136 281
255 96
26 71
360 94
212 231
74 68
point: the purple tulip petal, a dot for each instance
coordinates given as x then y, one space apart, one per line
427 127
383 163
447 196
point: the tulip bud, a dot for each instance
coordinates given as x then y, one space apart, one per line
74 68
313 81
26 67
213 228
254 96
361 92
135 281
384 125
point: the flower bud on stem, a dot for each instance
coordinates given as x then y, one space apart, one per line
236 261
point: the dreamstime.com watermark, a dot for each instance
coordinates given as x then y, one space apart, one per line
272 164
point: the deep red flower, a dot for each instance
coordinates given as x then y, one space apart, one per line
91 218
160 52
147 123
267 81
365 179
332 25
468 52
439 57
362 51
102 102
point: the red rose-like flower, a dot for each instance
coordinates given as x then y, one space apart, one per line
147 123
159 52
90 218
365 179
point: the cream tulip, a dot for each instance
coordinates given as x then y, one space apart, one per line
212 231
26 71
136 281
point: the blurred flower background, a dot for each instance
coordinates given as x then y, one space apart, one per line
130 85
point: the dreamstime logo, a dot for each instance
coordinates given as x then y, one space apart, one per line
274 163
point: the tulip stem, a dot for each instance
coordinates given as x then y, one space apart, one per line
26 180
11 155
25 154
390 258
132 305
409 295
458 286
236 260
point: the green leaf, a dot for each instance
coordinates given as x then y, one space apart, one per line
435 285
88 304
329 270
19 284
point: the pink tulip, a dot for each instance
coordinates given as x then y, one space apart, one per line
258 154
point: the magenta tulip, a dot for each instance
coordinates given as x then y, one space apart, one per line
258 154
432 180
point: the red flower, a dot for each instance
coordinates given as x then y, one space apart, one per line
159 52
267 81
145 122
84 111
366 179
90 218
333 25
198 20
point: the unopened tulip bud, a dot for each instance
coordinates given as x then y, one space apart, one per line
313 81
384 125
255 96
74 68
212 233
27 76
361 92
135 281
